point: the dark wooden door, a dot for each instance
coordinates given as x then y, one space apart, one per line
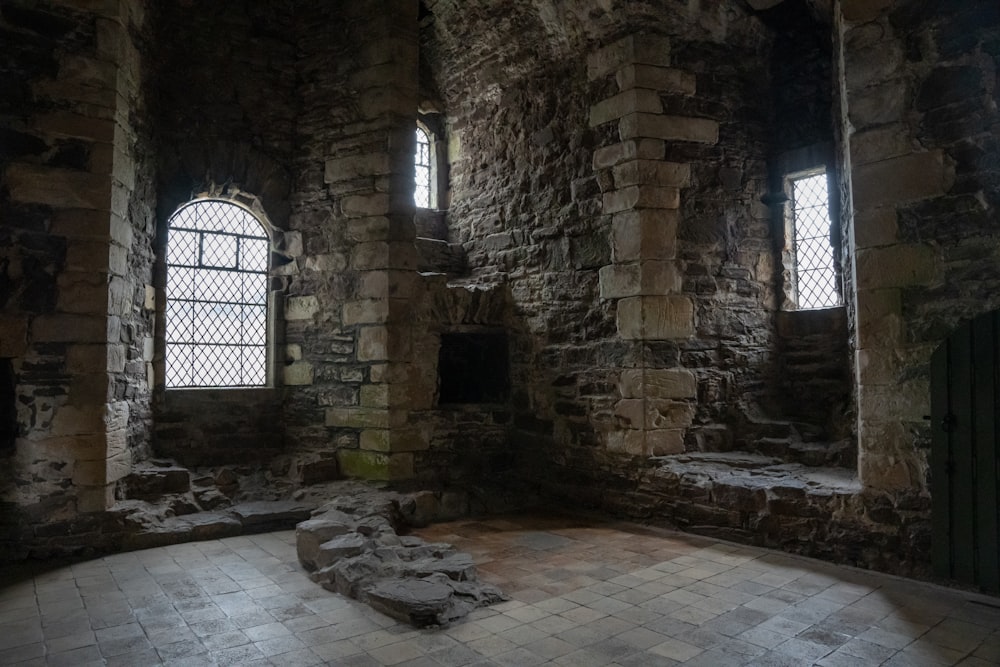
965 455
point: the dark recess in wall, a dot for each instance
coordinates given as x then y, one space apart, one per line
473 368
8 410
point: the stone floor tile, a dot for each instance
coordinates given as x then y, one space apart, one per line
522 634
491 645
22 653
806 651
237 655
582 615
393 654
223 640
75 657
676 649
279 645
868 651
597 596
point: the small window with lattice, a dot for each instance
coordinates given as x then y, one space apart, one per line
815 278
424 194
216 309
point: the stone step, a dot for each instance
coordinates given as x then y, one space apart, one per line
815 454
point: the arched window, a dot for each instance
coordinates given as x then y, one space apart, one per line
216 310
423 187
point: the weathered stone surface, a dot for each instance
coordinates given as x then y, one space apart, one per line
637 100
342 546
672 128
415 601
404 577
275 514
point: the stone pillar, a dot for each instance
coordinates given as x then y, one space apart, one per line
887 171
642 196
380 223
73 434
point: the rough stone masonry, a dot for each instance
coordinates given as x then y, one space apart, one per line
612 217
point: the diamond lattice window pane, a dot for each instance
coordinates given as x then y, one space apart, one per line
422 170
253 254
815 267
182 247
219 250
216 311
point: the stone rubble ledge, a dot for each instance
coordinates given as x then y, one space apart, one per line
351 546
146 525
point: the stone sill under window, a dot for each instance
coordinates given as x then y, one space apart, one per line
220 394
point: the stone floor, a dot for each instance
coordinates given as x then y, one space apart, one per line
583 593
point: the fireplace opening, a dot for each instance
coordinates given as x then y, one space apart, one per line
472 368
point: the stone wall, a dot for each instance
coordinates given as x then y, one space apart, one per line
75 199
619 199
922 92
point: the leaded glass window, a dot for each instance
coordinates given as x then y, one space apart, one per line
422 168
815 272
216 311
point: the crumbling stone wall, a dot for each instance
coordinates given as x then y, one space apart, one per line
76 204
539 201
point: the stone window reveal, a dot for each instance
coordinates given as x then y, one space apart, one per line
216 311
472 368
813 256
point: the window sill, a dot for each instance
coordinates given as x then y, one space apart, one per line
220 394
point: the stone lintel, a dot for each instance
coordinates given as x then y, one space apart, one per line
673 128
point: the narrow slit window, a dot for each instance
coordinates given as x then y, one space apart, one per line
815 269
216 311
422 168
